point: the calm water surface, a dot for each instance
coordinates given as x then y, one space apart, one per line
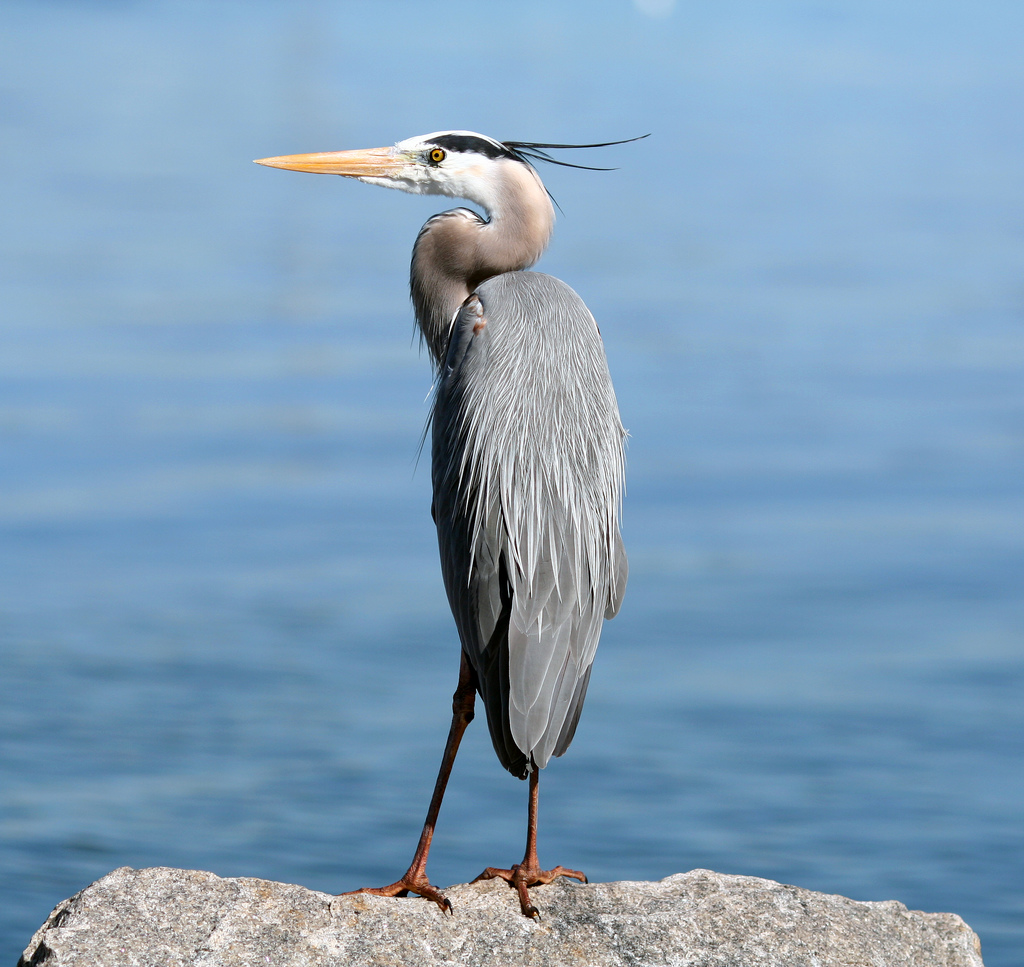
225 643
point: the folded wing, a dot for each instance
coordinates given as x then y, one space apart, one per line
527 466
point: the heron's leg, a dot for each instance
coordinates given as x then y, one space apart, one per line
415 878
528 873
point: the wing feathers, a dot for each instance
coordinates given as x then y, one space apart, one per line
527 469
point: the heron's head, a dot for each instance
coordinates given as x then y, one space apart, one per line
459 164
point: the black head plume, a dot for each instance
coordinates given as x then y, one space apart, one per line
528 151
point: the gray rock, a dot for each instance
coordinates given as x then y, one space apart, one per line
165 918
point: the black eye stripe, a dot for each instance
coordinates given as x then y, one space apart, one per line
462 142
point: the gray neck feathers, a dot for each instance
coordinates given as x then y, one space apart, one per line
457 250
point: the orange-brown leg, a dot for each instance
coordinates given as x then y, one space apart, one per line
528 873
415 878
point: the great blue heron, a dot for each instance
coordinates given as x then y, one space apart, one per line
526 461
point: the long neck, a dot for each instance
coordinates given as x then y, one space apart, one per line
457 250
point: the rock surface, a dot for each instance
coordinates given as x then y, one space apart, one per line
163 917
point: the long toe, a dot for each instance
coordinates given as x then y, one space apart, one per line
494 873
546 876
522 878
403 887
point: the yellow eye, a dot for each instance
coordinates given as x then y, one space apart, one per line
437 155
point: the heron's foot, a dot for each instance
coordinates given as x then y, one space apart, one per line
522 877
419 885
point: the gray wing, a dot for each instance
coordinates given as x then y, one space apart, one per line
527 466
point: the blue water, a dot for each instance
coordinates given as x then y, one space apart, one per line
225 644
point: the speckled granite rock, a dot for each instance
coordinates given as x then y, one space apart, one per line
166 918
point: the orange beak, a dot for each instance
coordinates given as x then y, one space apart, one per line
367 162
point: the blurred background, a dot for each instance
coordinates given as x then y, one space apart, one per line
225 643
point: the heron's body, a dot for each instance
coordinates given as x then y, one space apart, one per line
527 470
527 456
